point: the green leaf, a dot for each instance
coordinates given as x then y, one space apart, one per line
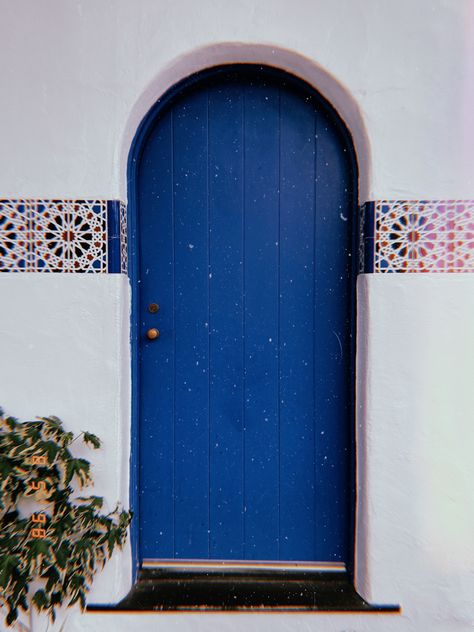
125 518
52 423
78 468
51 449
12 616
33 430
111 541
94 502
61 554
7 564
91 439
67 438
22 602
5 468
74 599
39 547
40 599
11 422
56 598
52 614
53 577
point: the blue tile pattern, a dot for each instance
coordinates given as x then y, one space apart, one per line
417 236
39 235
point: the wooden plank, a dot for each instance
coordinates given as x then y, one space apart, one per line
296 328
226 323
332 348
191 455
156 427
261 322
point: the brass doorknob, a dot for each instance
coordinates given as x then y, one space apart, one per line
152 334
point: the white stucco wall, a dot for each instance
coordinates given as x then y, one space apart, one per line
78 76
415 435
64 341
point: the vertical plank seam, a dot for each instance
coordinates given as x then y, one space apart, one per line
279 327
208 340
314 334
244 381
173 254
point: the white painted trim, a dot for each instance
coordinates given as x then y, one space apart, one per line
361 543
236 52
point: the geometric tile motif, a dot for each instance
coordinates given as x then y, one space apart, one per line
361 239
424 236
71 236
123 238
16 235
54 236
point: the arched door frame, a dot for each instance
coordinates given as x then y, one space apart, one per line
206 57
133 160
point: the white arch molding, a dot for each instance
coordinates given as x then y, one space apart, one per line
290 61
347 107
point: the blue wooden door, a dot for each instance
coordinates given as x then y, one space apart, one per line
245 197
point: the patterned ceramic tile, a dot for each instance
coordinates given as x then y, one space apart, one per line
361 252
56 236
419 236
123 238
91 236
71 236
16 235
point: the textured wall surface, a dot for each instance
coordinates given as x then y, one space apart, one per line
77 79
65 352
415 433
77 82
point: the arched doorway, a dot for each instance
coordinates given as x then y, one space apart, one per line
244 186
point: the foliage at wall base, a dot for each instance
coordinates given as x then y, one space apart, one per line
52 541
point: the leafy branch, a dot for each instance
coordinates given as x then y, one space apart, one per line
63 545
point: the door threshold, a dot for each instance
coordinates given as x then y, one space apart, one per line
238 587
233 566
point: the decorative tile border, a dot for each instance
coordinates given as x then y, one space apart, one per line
63 236
417 236
123 238
91 236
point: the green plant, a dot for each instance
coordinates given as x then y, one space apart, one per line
48 557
